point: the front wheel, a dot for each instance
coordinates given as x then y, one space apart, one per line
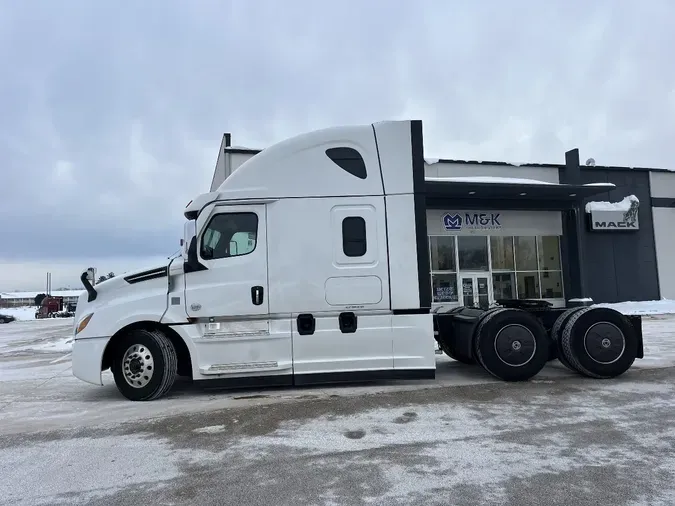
145 365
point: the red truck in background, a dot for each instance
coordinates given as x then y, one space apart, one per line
52 307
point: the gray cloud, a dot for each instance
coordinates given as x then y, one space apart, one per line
112 113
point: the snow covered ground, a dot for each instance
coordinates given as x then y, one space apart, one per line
650 307
29 337
37 353
20 313
462 439
48 335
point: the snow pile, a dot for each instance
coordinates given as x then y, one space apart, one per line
431 161
624 205
63 345
645 307
20 313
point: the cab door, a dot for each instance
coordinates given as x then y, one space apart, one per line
228 295
232 246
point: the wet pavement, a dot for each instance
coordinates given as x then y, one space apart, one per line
464 439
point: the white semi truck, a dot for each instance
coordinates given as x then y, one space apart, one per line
310 264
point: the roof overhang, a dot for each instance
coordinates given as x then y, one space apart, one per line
535 195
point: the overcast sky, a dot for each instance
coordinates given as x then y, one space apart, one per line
111 113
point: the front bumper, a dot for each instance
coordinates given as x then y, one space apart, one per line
87 359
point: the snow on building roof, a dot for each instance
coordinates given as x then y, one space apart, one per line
501 180
241 148
31 295
487 179
623 206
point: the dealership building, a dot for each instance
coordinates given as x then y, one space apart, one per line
539 230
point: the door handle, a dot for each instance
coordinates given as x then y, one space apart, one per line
257 295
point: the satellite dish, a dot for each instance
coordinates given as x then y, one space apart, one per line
590 162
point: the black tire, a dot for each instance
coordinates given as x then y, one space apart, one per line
478 329
556 333
456 353
474 337
599 342
497 337
458 357
150 351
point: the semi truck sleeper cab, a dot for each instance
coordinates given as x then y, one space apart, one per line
310 264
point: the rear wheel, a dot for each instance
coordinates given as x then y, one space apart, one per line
478 330
599 342
556 334
511 344
144 365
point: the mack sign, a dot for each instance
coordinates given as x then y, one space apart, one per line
471 221
615 219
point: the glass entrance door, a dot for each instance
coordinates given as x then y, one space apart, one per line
476 290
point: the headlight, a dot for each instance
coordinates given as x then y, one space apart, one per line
83 323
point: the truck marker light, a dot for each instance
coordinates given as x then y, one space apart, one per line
83 323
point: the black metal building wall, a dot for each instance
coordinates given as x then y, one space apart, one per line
618 266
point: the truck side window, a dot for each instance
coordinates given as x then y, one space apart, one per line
229 235
349 160
354 242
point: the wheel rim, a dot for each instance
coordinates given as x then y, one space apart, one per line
515 345
138 366
604 342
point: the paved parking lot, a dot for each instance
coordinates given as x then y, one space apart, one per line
462 439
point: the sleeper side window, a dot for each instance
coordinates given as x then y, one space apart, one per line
349 160
229 235
354 243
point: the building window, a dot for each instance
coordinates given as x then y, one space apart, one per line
443 268
501 251
519 267
444 287
526 253
527 271
550 267
229 235
502 257
538 267
473 252
354 243
443 253
528 285
504 285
